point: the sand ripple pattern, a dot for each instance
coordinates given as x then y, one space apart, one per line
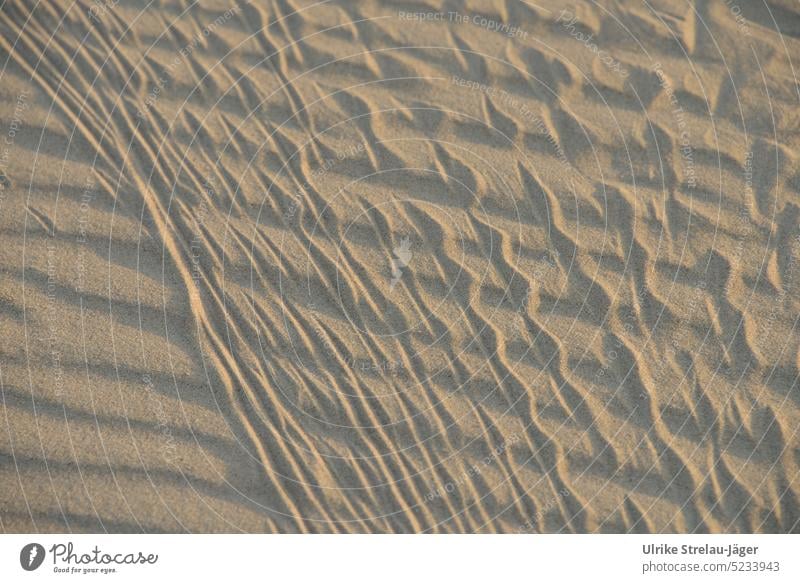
388 266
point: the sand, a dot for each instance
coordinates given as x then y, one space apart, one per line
339 266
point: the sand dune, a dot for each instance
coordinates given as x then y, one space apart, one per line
388 266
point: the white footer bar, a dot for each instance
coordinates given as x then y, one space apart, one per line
400 558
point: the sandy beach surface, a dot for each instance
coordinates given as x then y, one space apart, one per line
399 266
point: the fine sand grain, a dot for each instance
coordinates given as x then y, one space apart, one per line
388 266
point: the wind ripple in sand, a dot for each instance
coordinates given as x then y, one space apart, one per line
392 267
